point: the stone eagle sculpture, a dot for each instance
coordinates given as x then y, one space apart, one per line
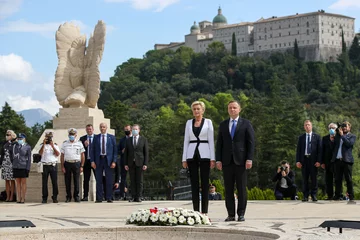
77 77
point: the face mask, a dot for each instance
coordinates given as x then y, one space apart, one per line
71 137
332 131
135 132
21 142
127 133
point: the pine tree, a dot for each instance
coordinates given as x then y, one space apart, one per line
233 45
354 51
296 50
10 120
343 43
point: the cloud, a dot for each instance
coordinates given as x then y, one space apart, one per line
45 29
345 4
158 5
8 7
20 102
14 67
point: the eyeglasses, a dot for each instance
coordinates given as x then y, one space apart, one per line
8 135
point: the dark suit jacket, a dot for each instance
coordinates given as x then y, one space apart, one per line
120 148
111 149
316 149
140 152
290 179
327 150
241 148
83 139
347 146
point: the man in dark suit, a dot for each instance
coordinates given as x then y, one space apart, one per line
87 140
103 159
136 156
328 145
308 158
234 154
344 160
121 149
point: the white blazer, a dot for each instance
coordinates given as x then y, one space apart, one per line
206 150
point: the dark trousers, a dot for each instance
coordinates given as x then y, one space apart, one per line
122 186
52 171
204 166
74 170
343 169
329 180
308 170
136 181
235 174
100 168
87 175
290 192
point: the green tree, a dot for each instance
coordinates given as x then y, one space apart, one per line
296 50
233 45
354 52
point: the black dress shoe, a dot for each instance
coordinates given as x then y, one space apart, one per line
109 201
313 198
138 200
55 200
98 201
85 199
44 201
68 200
77 200
131 200
229 219
241 219
305 200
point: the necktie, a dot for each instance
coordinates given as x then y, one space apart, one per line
89 147
308 144
103 145
135 141
233 127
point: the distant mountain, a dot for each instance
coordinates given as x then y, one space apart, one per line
36 115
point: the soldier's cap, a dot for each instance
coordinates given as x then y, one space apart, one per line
21 135
72 131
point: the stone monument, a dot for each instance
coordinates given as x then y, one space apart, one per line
77 88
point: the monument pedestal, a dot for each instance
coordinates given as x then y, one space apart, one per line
67 118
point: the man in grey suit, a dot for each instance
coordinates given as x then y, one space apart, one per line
234 154
136 156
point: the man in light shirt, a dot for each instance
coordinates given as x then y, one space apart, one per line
49 152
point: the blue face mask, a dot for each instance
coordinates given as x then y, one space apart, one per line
135 132
331 131
71 137
21 142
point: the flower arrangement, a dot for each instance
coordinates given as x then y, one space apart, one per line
167 217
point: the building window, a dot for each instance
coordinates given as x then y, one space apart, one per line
322 23
270 45
289 33
279 34
270 35
289 26
279 26
289 43
279 44
298 24
313 29
322 31
259 47
265 29
275 45
259 37
298 32
265 37
243 39
270 28
308 41
307 24
307 31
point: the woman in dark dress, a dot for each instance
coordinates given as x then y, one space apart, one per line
21 166
6 164
199 154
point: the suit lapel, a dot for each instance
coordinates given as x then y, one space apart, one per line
226 125
240 121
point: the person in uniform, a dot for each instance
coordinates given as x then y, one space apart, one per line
49 152
72 163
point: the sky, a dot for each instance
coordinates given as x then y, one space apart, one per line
28 59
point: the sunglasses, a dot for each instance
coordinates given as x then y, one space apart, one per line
8 135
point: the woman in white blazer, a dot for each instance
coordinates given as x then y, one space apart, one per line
198 154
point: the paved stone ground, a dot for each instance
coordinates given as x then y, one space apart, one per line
288 219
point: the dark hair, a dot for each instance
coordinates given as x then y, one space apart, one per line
283 162
234 101
90 125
